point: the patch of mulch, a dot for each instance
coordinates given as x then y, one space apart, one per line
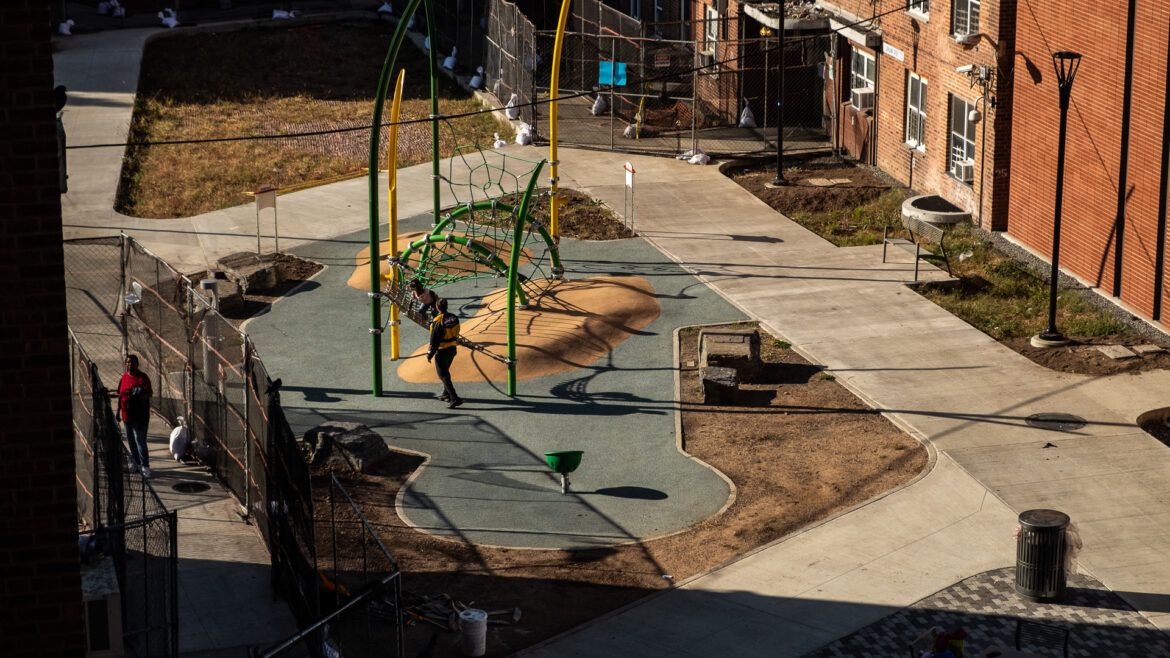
1082 355
579 216
799 194
799 448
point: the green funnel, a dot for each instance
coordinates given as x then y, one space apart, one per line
564 462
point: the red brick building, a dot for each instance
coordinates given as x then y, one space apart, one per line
40 581
1113 217
924 94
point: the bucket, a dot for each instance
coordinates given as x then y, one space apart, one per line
473 632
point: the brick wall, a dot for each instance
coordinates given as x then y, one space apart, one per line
928 49
1093 143
40 590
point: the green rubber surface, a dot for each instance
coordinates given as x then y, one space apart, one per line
487 481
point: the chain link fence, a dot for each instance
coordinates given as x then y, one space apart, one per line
362 588
129 540
211 373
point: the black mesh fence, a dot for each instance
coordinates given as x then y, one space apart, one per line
654 95
361 588
511 61
127 300
130 543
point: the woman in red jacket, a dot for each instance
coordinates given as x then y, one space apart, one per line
134 393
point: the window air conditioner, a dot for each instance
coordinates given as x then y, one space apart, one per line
965 170
862 98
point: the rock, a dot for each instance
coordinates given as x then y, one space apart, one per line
348 445
251 271
731 348
720 385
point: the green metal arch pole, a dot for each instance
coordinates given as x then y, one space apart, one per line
375 142
430 10
549 241
514 280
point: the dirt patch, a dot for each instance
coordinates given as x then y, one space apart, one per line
800 449
851 185
237 306
1082 356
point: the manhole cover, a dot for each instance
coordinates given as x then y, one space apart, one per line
1058 422
190 487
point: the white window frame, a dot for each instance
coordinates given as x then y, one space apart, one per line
865 79
711 29
920 7
916 86
965 17
960 145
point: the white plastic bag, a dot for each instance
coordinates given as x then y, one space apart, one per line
746 118
510 110
524 135
179 440
599 106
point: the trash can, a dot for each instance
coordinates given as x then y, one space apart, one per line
1040 555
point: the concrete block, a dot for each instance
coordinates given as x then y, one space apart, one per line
1116 351
720 385
731 348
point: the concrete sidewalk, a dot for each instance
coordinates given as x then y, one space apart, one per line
963 394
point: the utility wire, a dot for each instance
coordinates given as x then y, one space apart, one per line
447 117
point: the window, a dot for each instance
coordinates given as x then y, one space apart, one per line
961 153
965 17
711 30
919 6
861 70
916 111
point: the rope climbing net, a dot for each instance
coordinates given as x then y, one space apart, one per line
497 210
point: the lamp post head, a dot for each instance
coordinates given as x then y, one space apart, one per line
1066 64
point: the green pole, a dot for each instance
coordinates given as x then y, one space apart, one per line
514 280
375 140
429 5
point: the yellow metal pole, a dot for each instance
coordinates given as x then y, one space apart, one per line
554 89
392 169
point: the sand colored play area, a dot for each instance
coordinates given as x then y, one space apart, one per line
360 278
573 325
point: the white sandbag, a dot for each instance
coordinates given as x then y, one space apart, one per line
700 159
630 132
179 440
599 106
510 110
524 135
746 118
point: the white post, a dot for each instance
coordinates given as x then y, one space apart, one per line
630 188
266 198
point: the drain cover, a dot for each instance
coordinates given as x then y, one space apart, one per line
190 487
1058 422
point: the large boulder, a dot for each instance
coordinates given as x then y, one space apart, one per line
347 445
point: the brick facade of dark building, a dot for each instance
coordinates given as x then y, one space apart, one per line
40 588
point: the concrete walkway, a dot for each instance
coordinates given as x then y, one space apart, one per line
948 384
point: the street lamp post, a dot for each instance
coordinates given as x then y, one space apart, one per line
779 179
1066 64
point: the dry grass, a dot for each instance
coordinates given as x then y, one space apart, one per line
274 81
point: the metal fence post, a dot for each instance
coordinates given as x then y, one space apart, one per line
174 589
247 425
613 65
123 259
694 96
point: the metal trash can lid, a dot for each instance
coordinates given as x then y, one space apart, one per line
1043 518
